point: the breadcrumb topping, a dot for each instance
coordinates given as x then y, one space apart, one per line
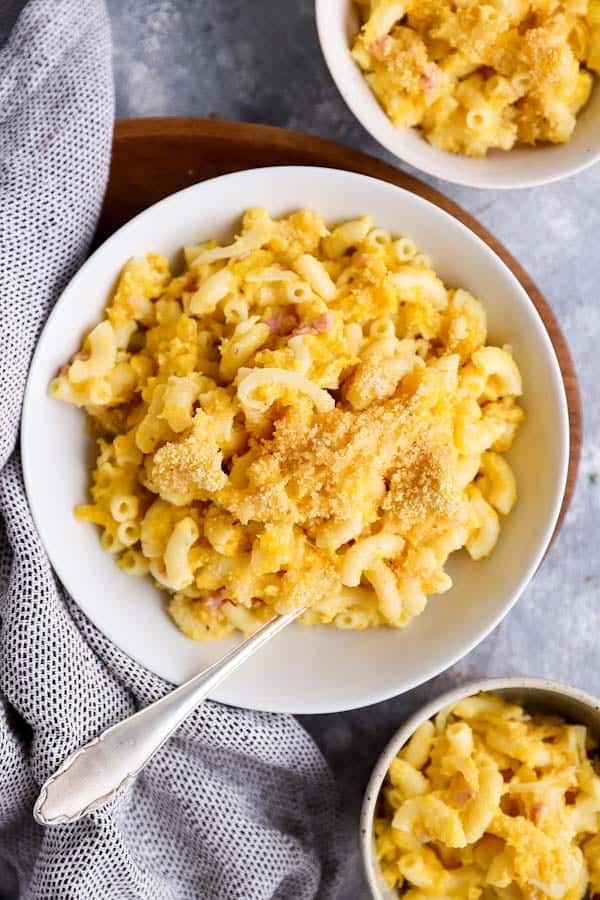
421 483
188 467
319 470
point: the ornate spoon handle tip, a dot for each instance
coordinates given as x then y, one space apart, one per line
94 774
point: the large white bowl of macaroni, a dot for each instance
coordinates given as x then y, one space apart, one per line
482 105
321 668
491 787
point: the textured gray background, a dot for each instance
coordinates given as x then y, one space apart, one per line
259 61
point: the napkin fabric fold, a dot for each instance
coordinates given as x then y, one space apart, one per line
238 804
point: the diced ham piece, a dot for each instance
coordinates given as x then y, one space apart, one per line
279 324
323 323
381 47
214 601
274 322
432 79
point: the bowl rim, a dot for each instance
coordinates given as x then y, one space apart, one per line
562 414
428 711
357 108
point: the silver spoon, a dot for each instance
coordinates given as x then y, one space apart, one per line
94 774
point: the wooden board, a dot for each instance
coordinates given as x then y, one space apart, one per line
156 157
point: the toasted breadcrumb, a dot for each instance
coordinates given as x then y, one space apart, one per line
188 466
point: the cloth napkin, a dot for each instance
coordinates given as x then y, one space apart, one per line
238 804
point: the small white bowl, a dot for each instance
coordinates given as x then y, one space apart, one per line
337 24
536 694
305 670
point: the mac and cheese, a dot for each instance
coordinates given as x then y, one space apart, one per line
488 801
305 417
475 76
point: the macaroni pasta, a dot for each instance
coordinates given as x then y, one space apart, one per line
475 76
488 801
305 417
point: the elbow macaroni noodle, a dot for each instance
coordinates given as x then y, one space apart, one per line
486 802
304 417
476 76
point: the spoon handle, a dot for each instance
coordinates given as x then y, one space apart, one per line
92 775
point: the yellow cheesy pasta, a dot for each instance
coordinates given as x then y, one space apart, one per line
306 416
475 76
487 801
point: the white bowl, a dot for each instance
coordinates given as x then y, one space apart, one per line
337 24
316 669
537 694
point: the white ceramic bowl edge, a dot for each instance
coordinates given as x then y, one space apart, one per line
318 669
542 694
521 167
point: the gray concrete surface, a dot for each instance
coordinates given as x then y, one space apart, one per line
259 61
